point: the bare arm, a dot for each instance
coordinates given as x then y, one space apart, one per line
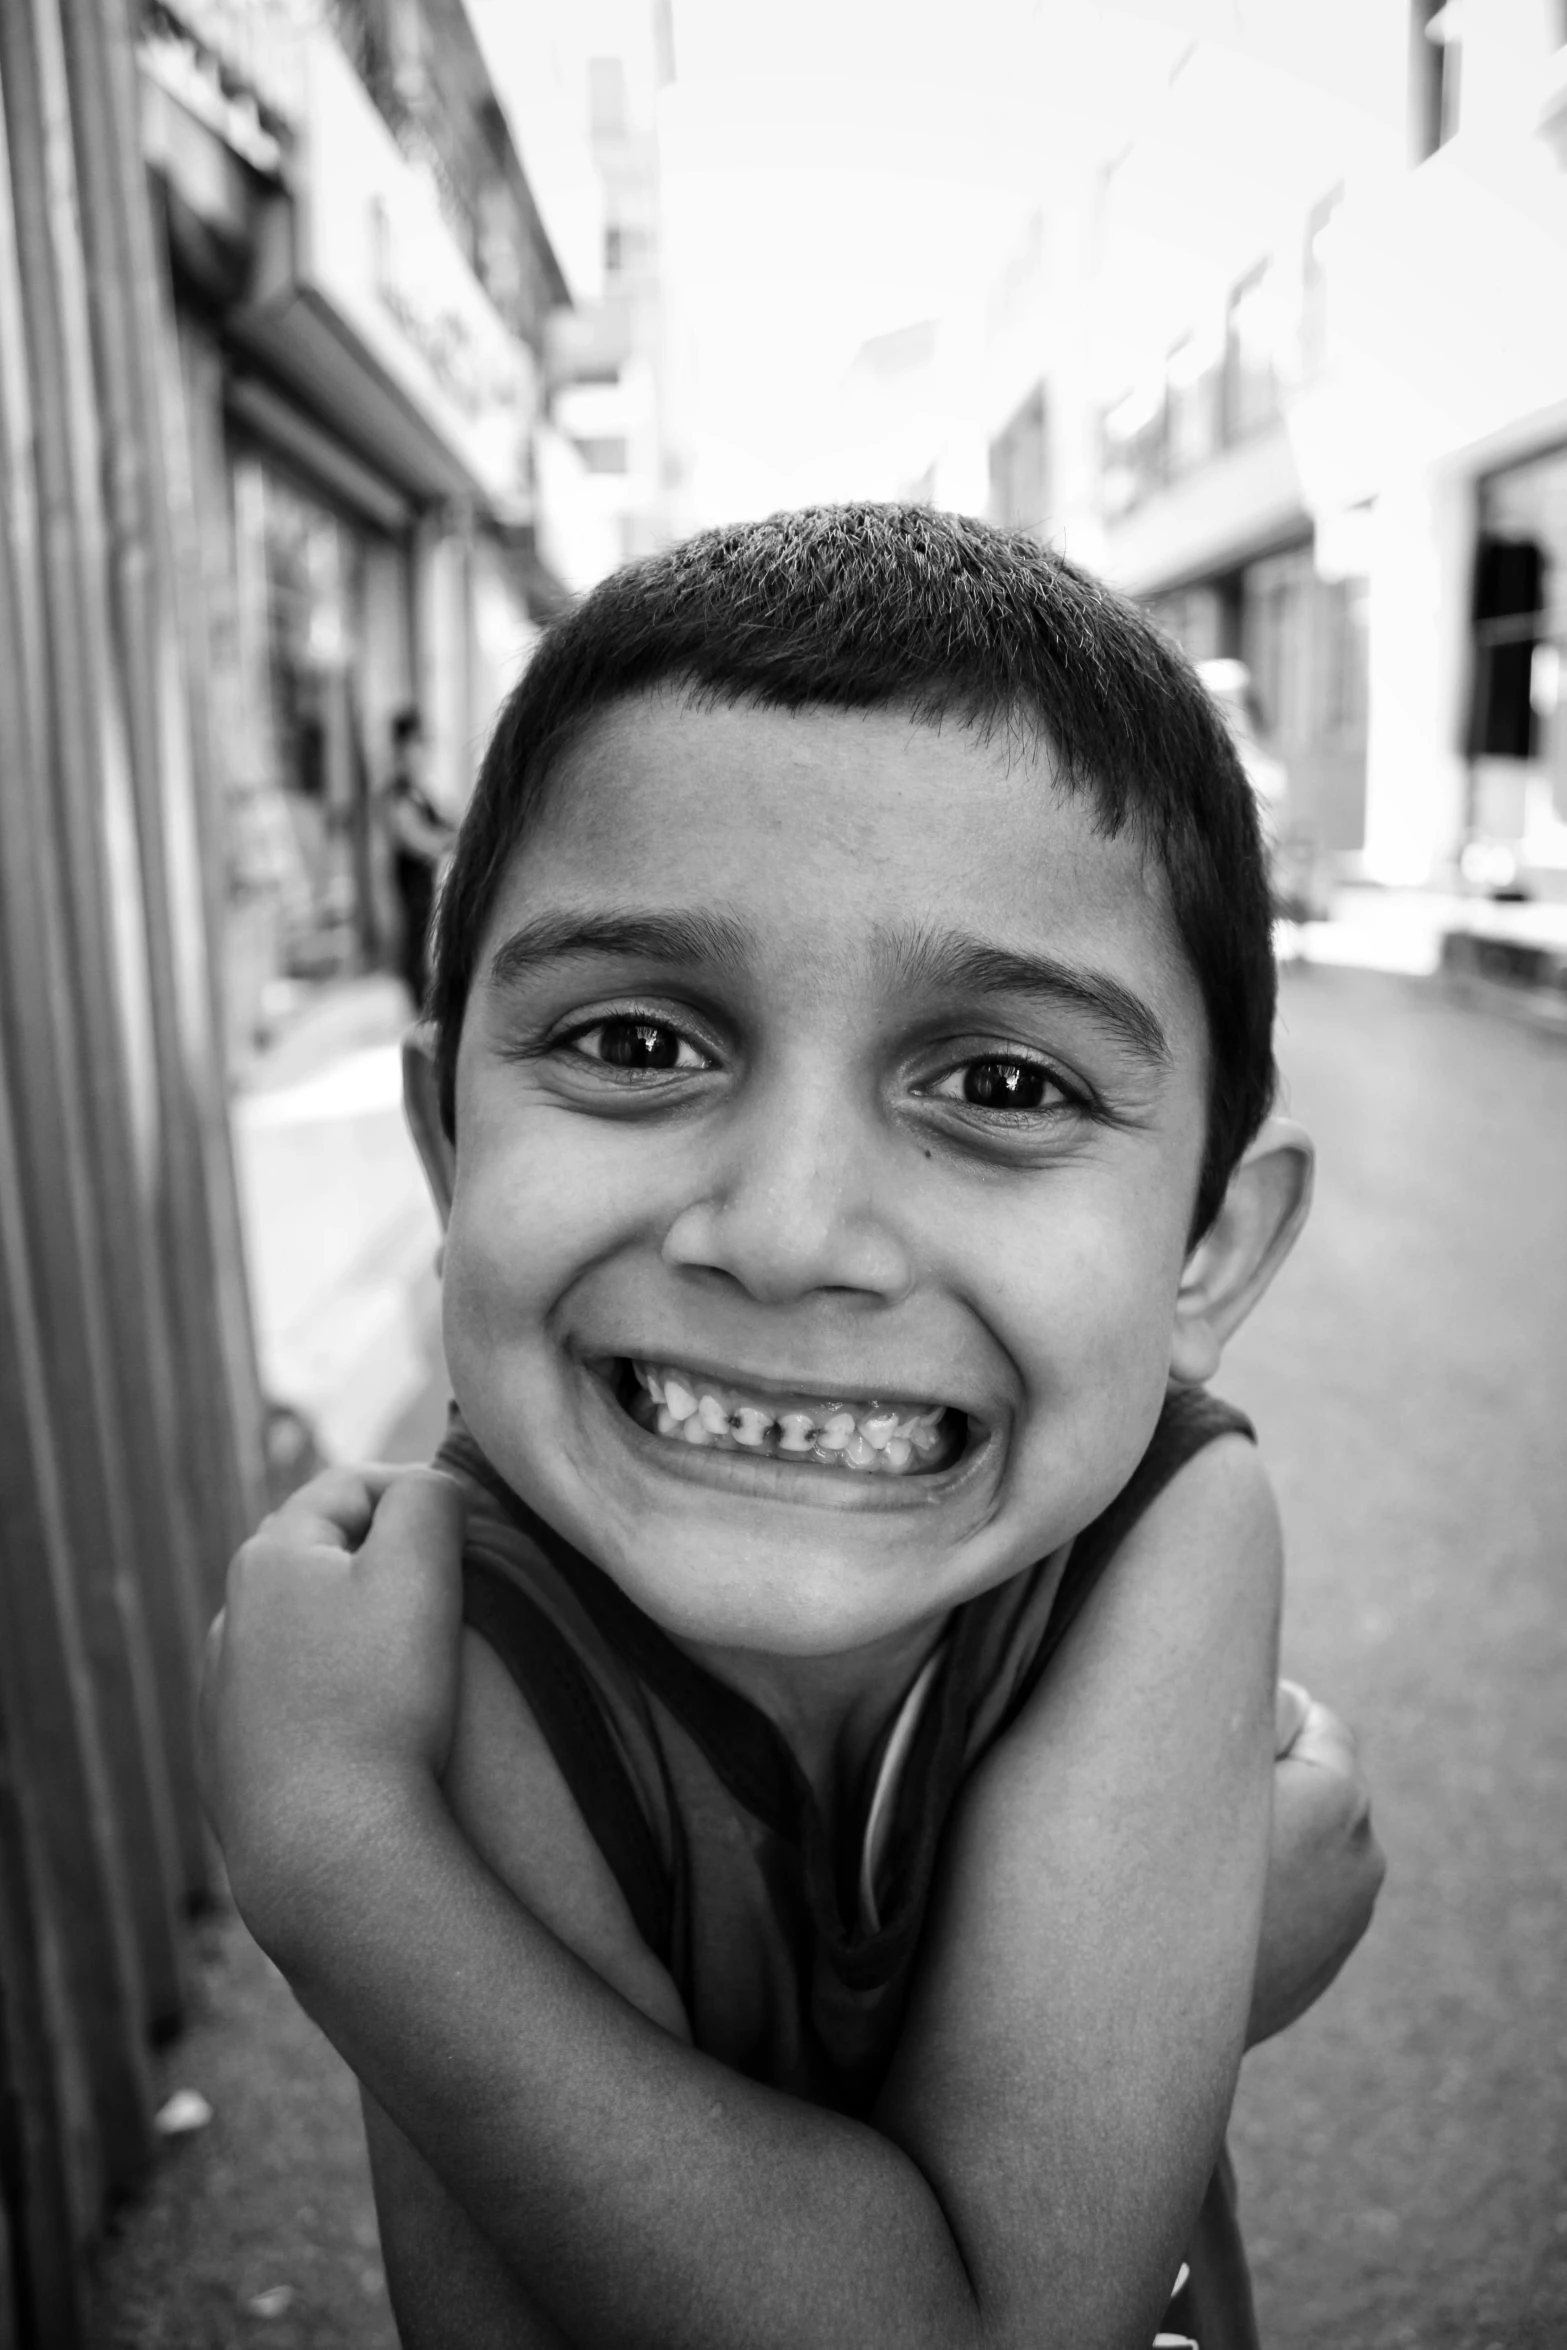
412 830
1062 2087
450 2288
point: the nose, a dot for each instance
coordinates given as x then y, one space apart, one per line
797 1204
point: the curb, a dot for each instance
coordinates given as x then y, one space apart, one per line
1520 978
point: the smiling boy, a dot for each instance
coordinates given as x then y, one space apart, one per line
818 1899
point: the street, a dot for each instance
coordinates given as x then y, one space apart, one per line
1401 2151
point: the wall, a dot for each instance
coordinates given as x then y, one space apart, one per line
130 1439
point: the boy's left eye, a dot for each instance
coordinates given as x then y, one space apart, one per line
630 1044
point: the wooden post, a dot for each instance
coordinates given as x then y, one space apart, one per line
68 1857
89 1128
143 426
130 1424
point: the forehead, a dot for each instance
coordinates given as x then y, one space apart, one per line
825 830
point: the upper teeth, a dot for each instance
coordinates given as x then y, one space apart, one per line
854 1436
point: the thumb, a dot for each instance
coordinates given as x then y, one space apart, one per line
1291 1707
1326 1743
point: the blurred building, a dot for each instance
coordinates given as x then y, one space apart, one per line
604 461
362 278
1287 359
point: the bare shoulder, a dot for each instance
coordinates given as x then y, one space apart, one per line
1216 1521
512 1802
1183 1622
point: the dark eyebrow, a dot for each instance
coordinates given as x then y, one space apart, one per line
635 935
948 962
953 962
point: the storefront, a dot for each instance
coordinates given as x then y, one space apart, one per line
1302 637
360 418
324 641
1517 739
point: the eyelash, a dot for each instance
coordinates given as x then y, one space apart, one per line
630 1017
1075 1098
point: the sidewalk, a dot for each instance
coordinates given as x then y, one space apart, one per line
1511 956
341 1235
257 2231
259 2228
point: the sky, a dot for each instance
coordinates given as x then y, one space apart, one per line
837 172
840 170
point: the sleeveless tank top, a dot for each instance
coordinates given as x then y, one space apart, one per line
792 1938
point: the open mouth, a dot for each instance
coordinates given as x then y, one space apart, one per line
856 1436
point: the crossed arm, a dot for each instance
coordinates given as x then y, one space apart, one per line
583 2175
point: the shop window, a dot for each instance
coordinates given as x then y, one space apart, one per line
604 453
502 267
625 249
1193 379
1019 466
1345 658
1303 641
303 575
1250 384
1196 617
1433 76
1133 450
1509 596
607 97
1314 283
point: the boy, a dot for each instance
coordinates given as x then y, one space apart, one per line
817 1898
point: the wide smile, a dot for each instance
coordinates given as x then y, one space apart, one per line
793 1443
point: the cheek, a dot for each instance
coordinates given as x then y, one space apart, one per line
1088 1310
538 1203
500 1266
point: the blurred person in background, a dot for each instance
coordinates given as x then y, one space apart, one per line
421 837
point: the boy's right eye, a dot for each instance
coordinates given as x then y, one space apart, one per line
628 1043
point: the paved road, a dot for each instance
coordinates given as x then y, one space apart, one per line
1403 2151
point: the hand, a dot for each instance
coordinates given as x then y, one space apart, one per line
331 1671
1325 1868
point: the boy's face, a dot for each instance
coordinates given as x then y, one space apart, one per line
819 1059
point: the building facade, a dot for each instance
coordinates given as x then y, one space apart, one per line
1286 360
605 457
362 282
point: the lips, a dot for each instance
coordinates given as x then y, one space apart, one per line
853 1435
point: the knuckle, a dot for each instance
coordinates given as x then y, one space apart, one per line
1373 1858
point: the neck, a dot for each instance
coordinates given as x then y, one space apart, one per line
830 1709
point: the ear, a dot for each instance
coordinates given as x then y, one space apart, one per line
1257 1226
422 1109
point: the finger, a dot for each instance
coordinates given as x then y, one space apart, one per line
335 1508
419 1518
1325 1742
1290 1709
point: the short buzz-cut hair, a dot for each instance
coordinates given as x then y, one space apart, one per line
864 607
